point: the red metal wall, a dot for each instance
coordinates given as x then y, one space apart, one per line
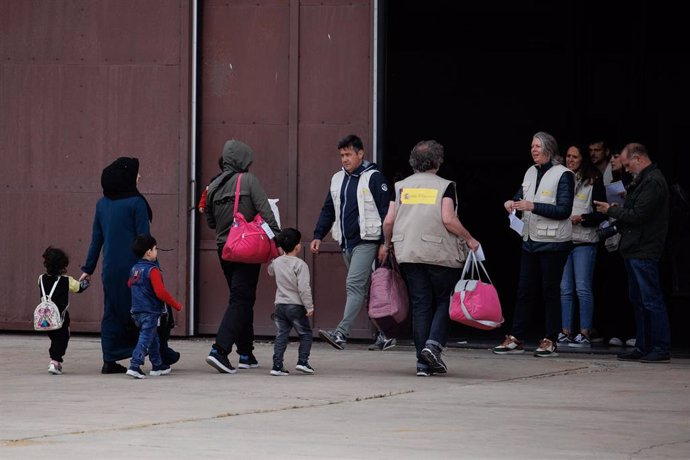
290 78
81 83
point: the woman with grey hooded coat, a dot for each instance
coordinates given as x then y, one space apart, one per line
237 325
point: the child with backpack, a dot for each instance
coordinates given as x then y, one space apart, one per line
149 299
60 285
293 302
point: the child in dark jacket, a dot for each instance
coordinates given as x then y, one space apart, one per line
55 262
149 298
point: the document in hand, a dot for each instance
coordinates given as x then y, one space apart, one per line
615 192
515 223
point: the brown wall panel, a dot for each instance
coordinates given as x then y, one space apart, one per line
246 94
81 83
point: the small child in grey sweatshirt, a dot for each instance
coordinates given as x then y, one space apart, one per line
293 302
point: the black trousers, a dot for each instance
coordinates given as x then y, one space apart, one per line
537 269
59 339
237 325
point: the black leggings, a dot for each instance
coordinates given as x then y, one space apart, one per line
59 339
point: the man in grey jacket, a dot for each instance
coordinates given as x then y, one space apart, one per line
643 224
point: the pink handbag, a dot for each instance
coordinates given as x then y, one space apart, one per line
388 302
247 241
474 302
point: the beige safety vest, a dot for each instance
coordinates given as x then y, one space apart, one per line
582 204
540 228
419 235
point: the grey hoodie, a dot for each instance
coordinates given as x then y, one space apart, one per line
237 157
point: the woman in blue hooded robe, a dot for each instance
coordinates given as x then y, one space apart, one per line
121 214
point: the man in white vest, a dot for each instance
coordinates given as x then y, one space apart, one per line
353 212
546 202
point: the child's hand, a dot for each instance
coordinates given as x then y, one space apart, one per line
310 313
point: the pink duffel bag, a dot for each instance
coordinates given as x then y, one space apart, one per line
474 302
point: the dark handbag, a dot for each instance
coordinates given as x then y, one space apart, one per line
248 242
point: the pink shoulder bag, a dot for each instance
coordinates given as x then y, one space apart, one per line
247 241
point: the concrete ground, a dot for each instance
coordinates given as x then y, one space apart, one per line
359 405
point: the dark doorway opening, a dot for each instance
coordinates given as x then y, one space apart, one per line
483 77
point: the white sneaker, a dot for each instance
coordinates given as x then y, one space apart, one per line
546 349
631 342
55 368
615 342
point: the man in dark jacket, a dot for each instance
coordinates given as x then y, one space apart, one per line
353 212
643 223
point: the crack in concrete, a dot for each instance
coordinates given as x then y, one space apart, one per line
30 440
654 446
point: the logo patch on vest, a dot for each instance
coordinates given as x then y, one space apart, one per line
418 196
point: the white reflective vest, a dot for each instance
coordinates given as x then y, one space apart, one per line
540 228
370 224
582 204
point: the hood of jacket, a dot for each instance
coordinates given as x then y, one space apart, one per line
237 156
365 166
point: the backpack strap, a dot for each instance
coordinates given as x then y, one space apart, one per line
43 290
209 199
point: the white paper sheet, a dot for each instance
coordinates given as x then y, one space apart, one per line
614 192
515 223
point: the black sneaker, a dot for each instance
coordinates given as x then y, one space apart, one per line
279 371
220 363
634 355
112 367
389 343
136 372
656 357
433 358
336 338
305 368
423 372
378 343
248 362
163 369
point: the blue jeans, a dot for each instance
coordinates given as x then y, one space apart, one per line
429 288
287 316
148 343
577 278
359 262
651 319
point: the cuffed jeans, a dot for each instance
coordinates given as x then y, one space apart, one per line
359 261
545 268
429 288
651 318
237 325
148 343
287 316
577 279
